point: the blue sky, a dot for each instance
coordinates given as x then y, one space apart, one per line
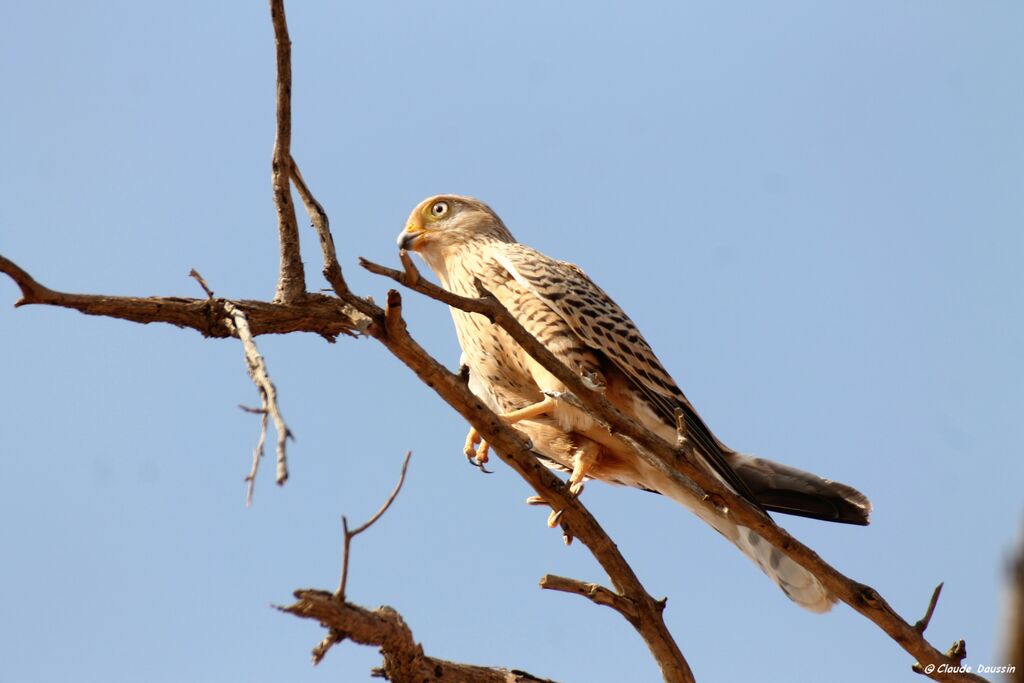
813 211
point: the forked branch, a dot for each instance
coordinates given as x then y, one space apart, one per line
404 660
350 534
257 368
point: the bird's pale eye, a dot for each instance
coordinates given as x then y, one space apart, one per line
439 209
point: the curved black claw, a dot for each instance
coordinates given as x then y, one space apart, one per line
477 464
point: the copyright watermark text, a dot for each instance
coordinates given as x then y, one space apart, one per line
968 669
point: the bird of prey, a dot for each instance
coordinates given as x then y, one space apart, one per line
465 243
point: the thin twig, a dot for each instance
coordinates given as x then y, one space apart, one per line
202 283
349 535
257 368
257 455
332 269
412 273
317 217
594 592
923 622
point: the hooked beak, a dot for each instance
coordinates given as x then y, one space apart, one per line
408 237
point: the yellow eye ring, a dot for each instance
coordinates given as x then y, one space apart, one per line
439 209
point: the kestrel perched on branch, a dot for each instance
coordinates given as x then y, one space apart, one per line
465 243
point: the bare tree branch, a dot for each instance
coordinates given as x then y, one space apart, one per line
595 593
334 634
332 269
194 274
257 368
291 282
257 454
319 314
923 622
404 661
349 535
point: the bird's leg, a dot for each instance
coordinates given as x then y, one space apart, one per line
480 453
472 439
476 455
531 411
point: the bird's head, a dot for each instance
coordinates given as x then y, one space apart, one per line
447 221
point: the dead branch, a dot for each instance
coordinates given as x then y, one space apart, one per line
257 454
291 282
404 660
257 368
922 623
194 274
334 634
349 535
319 314
594 592
365 310
678 464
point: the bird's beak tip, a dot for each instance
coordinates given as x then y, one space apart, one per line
408 237
405 240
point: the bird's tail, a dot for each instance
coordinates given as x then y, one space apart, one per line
781 488
797 583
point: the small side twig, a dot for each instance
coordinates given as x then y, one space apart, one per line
594 592
393 322
257 368
332 269
350 534
412 273
257 453
923 622
202 283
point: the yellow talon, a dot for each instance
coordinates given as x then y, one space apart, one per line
472 439
482 451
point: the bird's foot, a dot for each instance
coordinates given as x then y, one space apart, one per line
476 450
